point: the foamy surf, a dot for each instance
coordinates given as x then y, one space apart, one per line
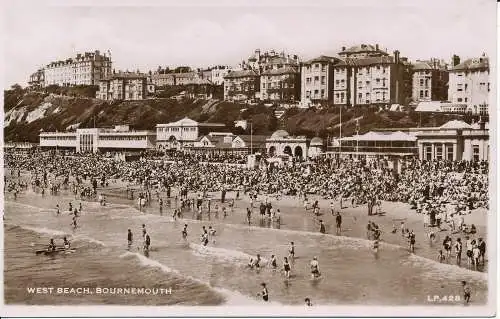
234 256
445 270
233 298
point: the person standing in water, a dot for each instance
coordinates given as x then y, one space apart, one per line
338 221
286 267
130 238
273 263
264 294
291 252
315 268
147 242
467 292
322 228
184 232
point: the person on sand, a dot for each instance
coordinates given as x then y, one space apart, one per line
338 222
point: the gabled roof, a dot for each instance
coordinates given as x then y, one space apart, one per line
473 64
455 125
255 139
241 74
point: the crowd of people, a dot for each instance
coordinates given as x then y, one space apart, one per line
441 191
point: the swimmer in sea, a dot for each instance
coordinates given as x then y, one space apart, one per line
264 294
58 212
184 232
273 263
256 263
291 251
441 257
286 267
250 263
211 233
144 230
315 268
375 246
67 244
52 245
130 238
308 302
147 242
322 227
467 292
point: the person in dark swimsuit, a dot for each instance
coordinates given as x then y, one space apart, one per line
286 267
273 262
322 228
291 251
130 238
184 232
264 293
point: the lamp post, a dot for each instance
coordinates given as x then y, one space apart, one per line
251 138
357 139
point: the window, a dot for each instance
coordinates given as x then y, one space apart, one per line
439 152
449 152
428 152
323 79
426 93
421 93
323 67
316 66
465 87
459 87
459 99
421 82
475 153
377 80
316 78
465 99
360 96
322 93
337 82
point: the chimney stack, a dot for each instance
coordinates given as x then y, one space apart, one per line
343 49
396 57
376 46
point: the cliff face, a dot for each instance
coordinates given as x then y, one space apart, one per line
27 113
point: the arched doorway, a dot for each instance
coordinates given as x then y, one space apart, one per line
287 150
272 151
298 152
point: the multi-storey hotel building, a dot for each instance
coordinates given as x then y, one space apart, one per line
470 84
123 86
84 69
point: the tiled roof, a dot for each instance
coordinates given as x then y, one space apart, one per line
125 75
285 70
241 74
422 65
322 58
373 60
471 64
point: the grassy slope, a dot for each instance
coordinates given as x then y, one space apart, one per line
146 114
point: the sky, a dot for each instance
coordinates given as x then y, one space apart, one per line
146 34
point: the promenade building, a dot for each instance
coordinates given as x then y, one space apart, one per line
123 86
163 79
469 83
228 144
453 141
282 144
117 139
183 133
84 69
429 81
